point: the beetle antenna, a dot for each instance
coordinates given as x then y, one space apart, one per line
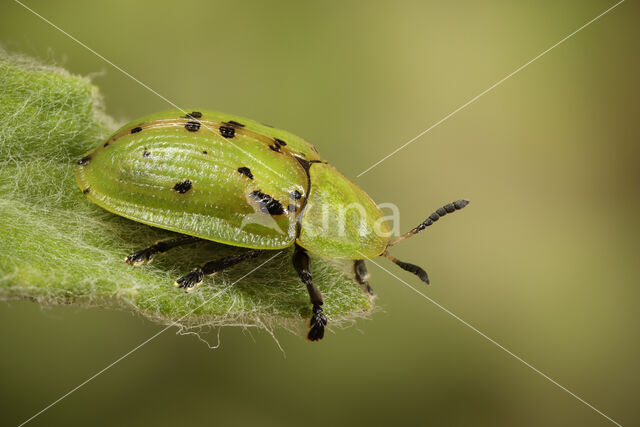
411 268
449 208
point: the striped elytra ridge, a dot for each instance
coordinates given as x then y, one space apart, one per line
226 130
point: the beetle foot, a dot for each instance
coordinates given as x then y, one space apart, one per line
190 280
140 257
368 288
318 322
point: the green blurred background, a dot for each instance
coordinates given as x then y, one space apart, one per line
544 260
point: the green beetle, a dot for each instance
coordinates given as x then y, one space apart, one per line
232 180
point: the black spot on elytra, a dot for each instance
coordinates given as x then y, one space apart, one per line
279 142
145 153
234 123
204 152
291 207
86 190
84 161
106 144
183 187
136 129
275 148
267 203
246 172
192 126
295 195
227 132
193 115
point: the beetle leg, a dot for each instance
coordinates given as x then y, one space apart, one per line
146 255
318 320
194 277
362 275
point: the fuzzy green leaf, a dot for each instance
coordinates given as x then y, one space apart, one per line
58 248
